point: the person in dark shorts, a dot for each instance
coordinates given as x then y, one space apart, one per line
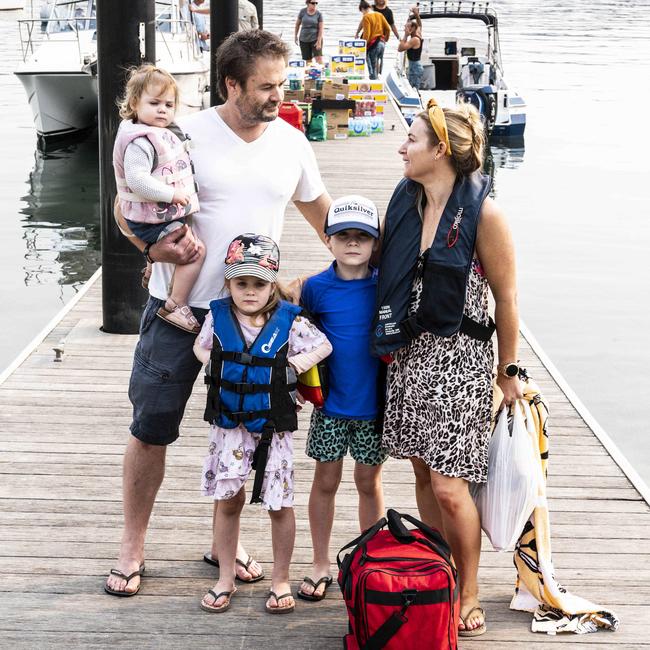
308 32
251 71
381 7
342 300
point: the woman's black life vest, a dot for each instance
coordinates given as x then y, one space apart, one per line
446 267
252 385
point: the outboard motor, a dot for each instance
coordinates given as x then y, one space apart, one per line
485 100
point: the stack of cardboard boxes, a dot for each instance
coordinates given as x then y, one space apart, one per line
351 104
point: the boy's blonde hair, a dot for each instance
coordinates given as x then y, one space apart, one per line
139 79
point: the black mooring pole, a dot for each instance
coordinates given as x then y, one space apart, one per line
118 48
259 5
224 20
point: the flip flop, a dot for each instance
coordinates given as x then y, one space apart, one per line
279 610
119 574
326 580
477 631
207 557
221 608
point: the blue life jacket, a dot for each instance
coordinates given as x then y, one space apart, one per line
446 267
253 386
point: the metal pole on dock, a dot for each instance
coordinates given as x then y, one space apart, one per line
259 5
119 23
224 20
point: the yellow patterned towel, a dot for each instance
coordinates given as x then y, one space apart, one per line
555 609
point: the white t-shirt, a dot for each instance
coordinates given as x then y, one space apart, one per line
243 187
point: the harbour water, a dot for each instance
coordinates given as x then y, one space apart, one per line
576 196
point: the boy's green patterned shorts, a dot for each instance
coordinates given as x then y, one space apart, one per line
329 438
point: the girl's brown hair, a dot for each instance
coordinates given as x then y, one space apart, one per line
466 136
139 79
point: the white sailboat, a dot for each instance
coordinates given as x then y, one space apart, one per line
59 69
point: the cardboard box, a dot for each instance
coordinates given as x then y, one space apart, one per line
355 47
342 64
294 95
296 69
337 114
335 90
367 86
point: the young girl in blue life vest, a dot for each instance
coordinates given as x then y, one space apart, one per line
254 345
154 177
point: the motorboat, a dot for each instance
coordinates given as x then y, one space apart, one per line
11 5
59 68
461 58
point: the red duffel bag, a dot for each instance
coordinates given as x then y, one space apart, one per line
400 588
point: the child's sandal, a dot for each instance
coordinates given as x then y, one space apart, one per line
181 317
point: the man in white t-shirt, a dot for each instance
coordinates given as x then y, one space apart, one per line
248 166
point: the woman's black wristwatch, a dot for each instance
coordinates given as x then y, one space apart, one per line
145 252
510 369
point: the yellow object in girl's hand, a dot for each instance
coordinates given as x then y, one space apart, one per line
312 385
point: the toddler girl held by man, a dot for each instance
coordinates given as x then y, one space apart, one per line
154 177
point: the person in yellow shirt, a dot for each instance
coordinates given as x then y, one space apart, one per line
375 30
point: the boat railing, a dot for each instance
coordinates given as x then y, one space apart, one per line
462 8
33 31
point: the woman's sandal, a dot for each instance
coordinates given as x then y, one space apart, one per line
221 608
207 557
181 317
477 631
119 574
279 610
314 597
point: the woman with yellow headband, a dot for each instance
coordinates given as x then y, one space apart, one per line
446 244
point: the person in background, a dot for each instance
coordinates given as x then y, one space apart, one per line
375 30
381 6
201 24
412 45
439 386
247 14
308 32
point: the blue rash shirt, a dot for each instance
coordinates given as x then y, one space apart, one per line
344 310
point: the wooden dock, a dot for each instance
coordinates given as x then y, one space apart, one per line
63 429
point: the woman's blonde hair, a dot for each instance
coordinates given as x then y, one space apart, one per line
278 292
466 136
139 79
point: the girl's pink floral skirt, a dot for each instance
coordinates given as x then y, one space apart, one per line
229 464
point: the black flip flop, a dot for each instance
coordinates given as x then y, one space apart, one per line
207 557
326 580
279 610
221 608
119 574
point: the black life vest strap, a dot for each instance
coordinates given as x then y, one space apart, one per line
260 458
468 326
246 359
242 417
248 389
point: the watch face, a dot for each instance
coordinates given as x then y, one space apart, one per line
511 369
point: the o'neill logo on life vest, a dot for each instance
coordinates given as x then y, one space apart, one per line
266 348
454 231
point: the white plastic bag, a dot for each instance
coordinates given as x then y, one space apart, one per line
508 498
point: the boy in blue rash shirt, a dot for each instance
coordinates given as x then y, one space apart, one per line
342 299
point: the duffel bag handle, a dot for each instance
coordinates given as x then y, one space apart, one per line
433 536
362 539
398 530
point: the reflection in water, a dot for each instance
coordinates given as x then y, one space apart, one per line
61 225
502 156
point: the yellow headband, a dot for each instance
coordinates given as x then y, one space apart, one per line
438 123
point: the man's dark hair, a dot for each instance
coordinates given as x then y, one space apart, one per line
238 54
364 5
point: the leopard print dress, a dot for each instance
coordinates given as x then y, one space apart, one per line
439 393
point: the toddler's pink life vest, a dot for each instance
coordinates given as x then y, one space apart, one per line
172 166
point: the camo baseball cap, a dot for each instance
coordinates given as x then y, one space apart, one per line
251 254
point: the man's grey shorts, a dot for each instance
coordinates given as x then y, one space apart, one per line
164 371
